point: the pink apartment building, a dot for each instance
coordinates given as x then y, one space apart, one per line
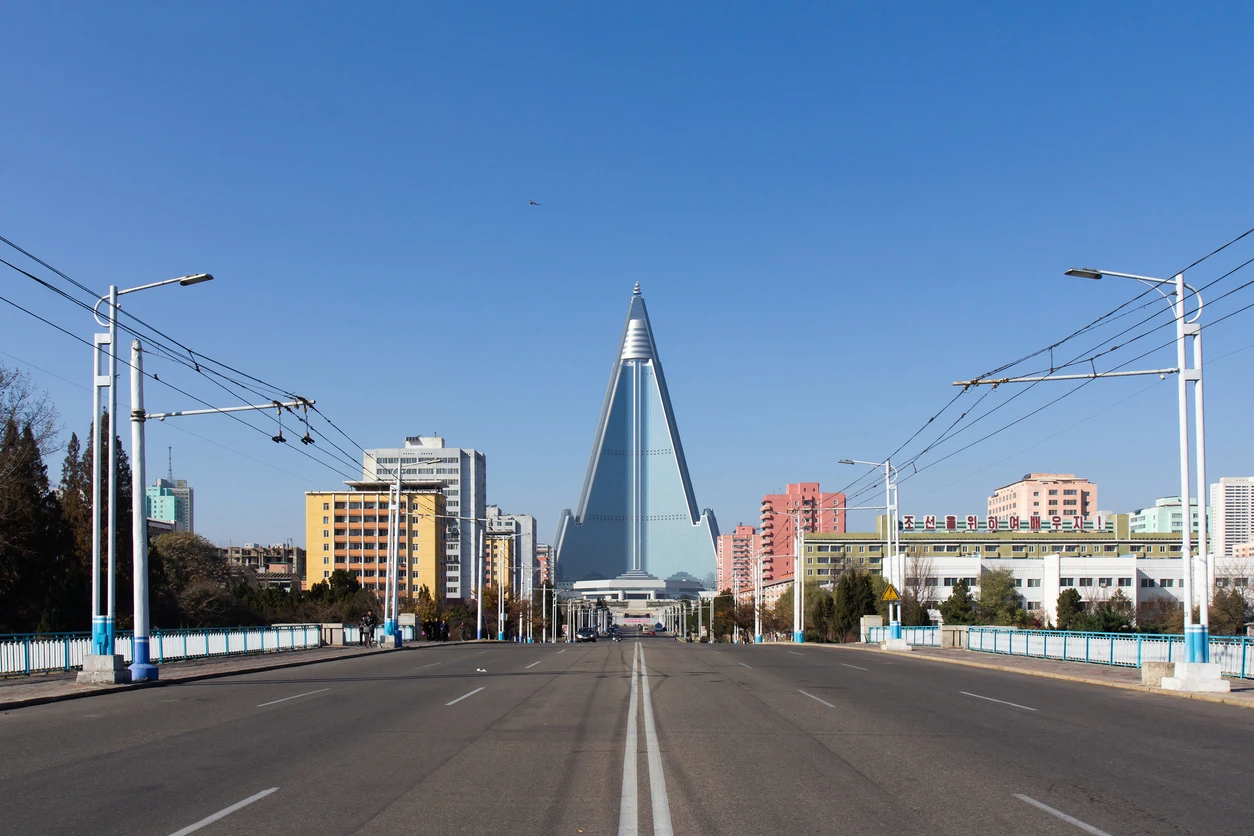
737 553
817 512
1045 495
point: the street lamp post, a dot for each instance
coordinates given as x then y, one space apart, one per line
757 599
104 623
1196 638
897 568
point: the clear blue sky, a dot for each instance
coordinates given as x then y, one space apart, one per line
834 210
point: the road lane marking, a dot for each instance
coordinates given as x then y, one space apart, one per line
750 667
1003 702
533 664
1072 820
224 812
795 653
816 699
657 780
463 696
628 824
432 665
297 696
563 650
859 667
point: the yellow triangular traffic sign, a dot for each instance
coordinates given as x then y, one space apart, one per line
890 594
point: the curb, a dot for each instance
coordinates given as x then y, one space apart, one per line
91 691
1065 677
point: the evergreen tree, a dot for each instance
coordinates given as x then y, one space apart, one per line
959 607
1070 610
31 541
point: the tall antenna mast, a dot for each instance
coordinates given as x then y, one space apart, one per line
170 451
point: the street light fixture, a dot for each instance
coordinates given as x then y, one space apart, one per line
896 566
1196 637
103 623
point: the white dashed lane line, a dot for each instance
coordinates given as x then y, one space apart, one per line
1002 702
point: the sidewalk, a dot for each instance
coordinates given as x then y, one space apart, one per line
1242 693
16 692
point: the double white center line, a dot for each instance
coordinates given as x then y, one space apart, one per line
628 823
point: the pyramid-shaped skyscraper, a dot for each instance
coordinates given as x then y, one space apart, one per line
637 514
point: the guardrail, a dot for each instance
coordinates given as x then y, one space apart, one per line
24 654
920 636
1235 656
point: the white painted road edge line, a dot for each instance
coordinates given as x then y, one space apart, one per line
657 781
816 699
533 664
627 812
750 667
1003 702
224 812
297 696
859 667
463 696
795 653
1072 820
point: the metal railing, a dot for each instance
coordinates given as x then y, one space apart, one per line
920 636
24 654
1235 655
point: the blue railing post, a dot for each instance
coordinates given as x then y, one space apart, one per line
1139 662
26 653
66 645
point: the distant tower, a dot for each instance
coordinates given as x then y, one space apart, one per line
637 513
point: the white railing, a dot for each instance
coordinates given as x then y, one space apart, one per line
25 654
918 636
1235 656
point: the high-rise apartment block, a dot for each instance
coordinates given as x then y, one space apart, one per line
1045 495
463 473
520 564
812 510
737 557
544 562
349 530
173 501
1232 503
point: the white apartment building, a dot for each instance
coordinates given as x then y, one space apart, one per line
521 528
464 474
1232 503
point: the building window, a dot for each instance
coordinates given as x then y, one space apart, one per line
326 506
1018 582
1167 583
1146 583
1105 581
1034 583
1125 582
326 574
339 506
930 581
1086 581
950 581
326 520
1053 493
1066 581
326 561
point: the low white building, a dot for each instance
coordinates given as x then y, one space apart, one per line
1041 580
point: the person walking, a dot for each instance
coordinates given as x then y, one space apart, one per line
368 622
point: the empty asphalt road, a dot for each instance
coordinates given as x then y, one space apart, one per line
647 737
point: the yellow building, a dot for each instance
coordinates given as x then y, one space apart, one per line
349 530
498 561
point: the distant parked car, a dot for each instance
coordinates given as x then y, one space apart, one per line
585 634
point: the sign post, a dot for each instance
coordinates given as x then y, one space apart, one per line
894 611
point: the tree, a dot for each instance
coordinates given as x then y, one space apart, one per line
26 405
1070 610
188 557
854 598
32 543
999 602
1227 613
959 607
